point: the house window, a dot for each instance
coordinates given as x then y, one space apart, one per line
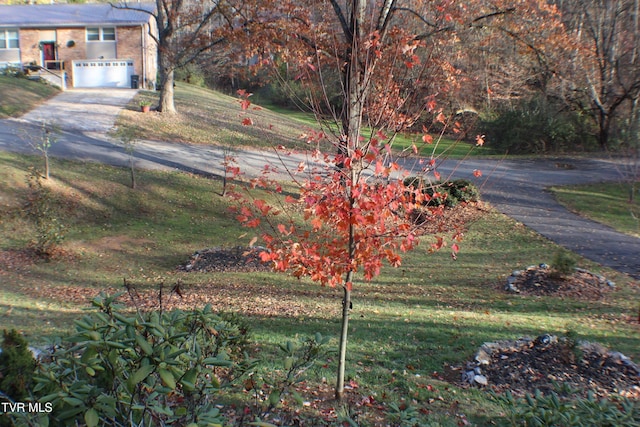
8 39
98 34
93 34
109 34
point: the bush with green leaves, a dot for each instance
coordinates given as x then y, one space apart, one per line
17 366
461 190
13 71
405 414
447 193
191 74
552 410
563 264
298 360
156 368
538 125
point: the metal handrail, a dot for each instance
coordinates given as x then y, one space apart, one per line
41 68
56 75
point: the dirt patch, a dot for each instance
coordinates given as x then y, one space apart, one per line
239 258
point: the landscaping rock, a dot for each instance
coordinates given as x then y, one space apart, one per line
481 380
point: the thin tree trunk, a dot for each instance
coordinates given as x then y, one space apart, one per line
636 27
603 136
632 174
46 164
223 193
346 306
133 174
346 301
351 124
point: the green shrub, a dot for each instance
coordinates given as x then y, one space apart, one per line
448 193
540 410
17 366
408 415
538 126
462 190
13 71
191 74
152 368
241 324
563 264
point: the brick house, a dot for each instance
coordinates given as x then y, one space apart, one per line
84 45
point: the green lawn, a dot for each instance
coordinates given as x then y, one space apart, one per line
407 326
21 95
442 146
209 117
607 203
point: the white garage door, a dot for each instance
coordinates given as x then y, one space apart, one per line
102 73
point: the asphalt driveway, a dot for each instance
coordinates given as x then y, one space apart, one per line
515 187
82 110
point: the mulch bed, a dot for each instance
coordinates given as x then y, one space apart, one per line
561 365
541 280
524 366
239 258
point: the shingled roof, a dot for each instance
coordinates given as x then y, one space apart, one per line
73 15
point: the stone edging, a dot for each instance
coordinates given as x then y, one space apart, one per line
472 374
515 275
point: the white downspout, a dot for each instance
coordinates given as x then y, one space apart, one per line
144 57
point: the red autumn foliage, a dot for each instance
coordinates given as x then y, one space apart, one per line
374 213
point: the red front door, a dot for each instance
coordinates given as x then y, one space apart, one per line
49 54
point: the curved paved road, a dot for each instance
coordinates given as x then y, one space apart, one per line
515 187
518 189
